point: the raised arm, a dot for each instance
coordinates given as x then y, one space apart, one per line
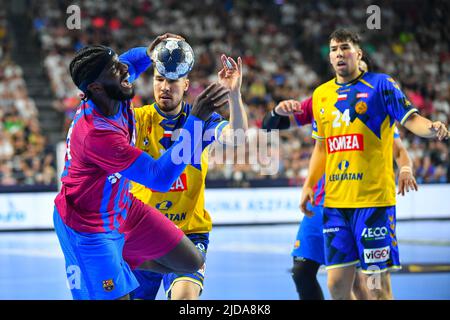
160 174
139 59
230 76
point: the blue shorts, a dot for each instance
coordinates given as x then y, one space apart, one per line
309 242
365 235
94 264
151 281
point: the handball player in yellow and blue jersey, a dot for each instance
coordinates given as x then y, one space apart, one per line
354 116
184 204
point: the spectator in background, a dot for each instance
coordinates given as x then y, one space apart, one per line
279 52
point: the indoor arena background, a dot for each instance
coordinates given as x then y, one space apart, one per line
284 47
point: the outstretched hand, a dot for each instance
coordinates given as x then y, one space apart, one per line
230 76
209 100
287 107
440 129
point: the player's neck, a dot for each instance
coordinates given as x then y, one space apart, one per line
349 78
108 107
175 111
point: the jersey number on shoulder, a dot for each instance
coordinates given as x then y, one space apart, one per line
341 117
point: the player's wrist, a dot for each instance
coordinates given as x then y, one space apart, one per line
407 169
149 53
276 113
235 94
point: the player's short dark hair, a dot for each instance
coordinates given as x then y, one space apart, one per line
342 35
370 66
87 63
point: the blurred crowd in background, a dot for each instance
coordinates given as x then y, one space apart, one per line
25 157
284 47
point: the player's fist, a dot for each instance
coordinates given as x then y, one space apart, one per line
287 107
440 129
307 196
209 100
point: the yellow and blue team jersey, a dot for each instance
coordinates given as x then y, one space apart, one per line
356 122
184 204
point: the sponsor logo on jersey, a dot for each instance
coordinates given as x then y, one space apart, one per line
346 176
201 247
377 233
108 285
362 95
377 254
180 184
114 177
343 165
330 230
165 205
176 216
347 142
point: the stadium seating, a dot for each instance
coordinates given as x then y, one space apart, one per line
284 49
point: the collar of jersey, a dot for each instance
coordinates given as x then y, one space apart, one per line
167 116
349 82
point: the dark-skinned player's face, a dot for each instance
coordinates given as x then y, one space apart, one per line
114 79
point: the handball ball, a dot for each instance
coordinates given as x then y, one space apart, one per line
173 58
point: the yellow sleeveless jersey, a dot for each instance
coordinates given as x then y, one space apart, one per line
356 122
184 204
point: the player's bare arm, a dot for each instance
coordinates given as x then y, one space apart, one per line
406 180
230 76
426 128
316 171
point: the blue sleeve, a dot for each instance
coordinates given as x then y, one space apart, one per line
213 129
397 104
137 60
159 175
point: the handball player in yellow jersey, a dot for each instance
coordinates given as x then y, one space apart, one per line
354 123
184 204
